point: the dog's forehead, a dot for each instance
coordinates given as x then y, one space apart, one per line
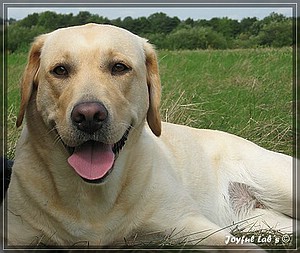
93 37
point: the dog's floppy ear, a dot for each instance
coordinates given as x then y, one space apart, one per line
154 88
29 76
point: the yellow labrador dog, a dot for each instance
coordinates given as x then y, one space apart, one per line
95 164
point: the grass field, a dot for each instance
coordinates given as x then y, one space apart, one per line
244 92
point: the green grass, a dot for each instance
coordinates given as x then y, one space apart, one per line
244 92
15 67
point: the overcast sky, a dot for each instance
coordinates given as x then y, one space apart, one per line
238 13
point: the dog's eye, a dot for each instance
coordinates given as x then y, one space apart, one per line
60 71
119 68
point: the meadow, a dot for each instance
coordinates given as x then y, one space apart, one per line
245 92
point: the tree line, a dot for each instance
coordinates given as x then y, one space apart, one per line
165 32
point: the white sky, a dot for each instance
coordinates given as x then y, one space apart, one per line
183 13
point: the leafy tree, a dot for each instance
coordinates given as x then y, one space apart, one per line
246 25
161 23
143 26
226 26
83 17
20 37
245 40
116 22
276 34
189 21
166 32
158 40
274 17
30 20
128 23
196 38
49 20
67 20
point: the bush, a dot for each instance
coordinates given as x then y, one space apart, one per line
245 40
20 37
276 34
195 38
157 39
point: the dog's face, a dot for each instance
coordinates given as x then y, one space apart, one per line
95 83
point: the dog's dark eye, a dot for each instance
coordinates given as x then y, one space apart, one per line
119 68
60 71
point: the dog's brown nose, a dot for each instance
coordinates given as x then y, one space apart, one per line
89 116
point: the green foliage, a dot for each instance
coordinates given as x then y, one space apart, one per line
195 38
166 32
161 23
276 34
228 27
20 37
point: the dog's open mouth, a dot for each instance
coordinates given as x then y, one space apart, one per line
93 160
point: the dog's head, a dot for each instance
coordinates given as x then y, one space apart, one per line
93 85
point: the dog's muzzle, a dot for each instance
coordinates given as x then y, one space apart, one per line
93 160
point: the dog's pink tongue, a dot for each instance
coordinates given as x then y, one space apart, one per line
92 160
